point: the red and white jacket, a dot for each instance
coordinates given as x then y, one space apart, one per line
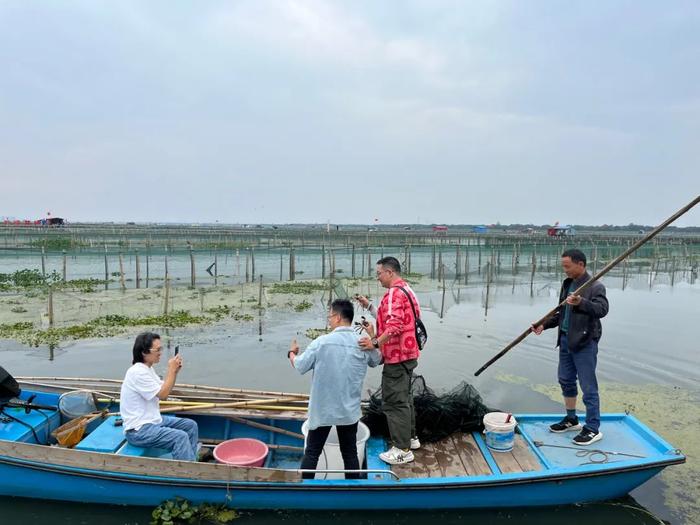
395 316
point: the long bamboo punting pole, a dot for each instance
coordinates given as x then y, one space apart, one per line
593 279
237 404
178 386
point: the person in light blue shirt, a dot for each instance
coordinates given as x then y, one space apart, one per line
339 366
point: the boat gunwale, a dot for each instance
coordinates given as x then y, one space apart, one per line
454 482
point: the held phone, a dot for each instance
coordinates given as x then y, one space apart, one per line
177 349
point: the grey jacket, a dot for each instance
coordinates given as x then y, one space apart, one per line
584 319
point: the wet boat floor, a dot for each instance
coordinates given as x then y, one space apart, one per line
459 455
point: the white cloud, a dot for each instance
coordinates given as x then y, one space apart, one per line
320 34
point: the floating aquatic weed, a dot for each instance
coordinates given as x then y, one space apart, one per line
313 333
182 511
302 306
27 279
298 287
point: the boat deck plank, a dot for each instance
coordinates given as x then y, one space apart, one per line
471 456
520 459
448 458
425 464
456 455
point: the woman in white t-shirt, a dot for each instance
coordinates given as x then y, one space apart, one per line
141 393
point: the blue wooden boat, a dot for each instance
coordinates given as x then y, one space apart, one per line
458 472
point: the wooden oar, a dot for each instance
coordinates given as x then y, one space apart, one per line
593 279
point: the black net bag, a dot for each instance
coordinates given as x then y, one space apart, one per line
437 416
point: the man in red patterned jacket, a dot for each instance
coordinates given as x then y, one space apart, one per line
396 338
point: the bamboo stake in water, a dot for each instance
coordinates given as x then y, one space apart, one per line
138 270
352 263
444 289
121 272
479 263
43 261
50 308
292 264
458 264
260 308
466 264
592 280
192 275
64 266
106 270
489 272
166 294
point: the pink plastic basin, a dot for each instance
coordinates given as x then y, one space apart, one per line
243 452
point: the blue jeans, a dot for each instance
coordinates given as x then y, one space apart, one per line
176 434
581 364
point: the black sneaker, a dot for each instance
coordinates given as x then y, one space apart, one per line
565 425
586 437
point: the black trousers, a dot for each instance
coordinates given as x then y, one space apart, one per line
316 439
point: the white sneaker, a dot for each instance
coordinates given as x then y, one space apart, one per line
396 456
415 443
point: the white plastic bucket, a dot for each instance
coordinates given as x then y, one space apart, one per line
330 457
498 434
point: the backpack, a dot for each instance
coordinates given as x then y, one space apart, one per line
421 332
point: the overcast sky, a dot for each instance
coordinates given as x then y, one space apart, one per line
306 111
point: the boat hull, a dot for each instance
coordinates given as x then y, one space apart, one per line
46 482
550 470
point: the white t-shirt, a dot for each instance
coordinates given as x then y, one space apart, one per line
139 403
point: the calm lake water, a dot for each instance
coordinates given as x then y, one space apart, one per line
649 342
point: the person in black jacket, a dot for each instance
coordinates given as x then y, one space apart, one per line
579 332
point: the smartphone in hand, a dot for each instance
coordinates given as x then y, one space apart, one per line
177 349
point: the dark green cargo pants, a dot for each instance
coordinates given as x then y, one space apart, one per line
397 402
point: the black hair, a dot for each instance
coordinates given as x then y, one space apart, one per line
392 263
143 345
575 255
344 309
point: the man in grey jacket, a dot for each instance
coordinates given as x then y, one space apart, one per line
579 332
